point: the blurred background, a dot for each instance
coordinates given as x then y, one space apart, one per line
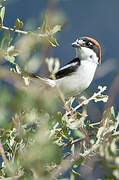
97 19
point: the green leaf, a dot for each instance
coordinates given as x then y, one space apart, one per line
55 29
10 59
101 97
63 125
42 29
52 41
46 32
12 52
5 55
18 24
88 124
113 147
113 112
6 51
73 149
75 173
2 13
6 40
45 28
107 116
2 53
100 132
116 124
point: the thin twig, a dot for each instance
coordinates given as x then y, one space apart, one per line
95 124
73 142
14 30
40 35
87 100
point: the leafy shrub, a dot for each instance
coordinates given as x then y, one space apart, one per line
38 141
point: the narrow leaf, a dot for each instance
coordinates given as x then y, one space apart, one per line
2 13
6 40
75 173
53 41
10 59
12 52
55 29
18 24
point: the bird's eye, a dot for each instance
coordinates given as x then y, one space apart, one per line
89 44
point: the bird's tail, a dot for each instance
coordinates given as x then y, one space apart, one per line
44 81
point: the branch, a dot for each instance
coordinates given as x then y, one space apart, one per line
41 35
14 30
75 141
93 97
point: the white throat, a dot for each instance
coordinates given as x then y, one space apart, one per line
87 54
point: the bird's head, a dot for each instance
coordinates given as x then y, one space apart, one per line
88 49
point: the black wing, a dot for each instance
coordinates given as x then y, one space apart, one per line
68 69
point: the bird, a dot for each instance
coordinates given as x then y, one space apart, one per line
76 76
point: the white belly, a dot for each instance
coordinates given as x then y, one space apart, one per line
80 80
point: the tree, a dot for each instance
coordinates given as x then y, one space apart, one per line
37 140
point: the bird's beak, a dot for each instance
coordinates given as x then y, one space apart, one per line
76 44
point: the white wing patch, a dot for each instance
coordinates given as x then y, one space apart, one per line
68 65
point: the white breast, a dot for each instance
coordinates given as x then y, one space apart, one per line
78 81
